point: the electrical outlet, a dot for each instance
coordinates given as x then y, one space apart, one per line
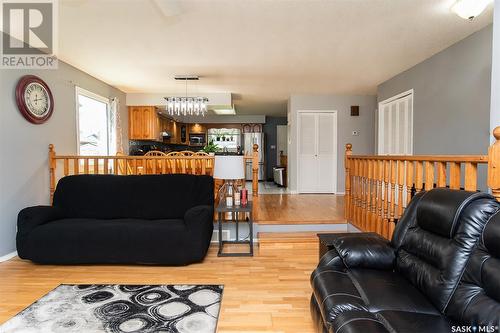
355 133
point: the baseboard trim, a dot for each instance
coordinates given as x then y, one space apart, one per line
8 256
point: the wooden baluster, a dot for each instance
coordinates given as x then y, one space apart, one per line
352 203
409 180
455 175
76 166
134 166
193 166
145 168
52 171
373 221
183 165
366 206
347 197
362 170
154 164
357 194
441 174
470 181
419 176
116 164
163 166
204 166
369 200
174 164
494 165
392 216
86 166
387 189
380 196
429 175
255 170
96 166
401 181
106 166
66 167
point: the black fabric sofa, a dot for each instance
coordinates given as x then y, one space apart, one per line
109 219
441 268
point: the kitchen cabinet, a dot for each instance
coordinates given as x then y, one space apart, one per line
144 123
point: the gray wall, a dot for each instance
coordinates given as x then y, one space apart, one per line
271 140
364 124
24 177
451 97
495 71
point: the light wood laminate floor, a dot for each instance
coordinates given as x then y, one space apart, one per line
299 209
267 293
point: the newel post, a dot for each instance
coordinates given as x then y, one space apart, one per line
255 170
347 165
494 165
52 171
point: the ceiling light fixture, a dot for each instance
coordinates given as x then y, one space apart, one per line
187 106
470 9
224 111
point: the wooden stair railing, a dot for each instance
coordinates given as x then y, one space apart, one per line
196 164
378 188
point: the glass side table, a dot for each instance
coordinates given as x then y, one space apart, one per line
221 209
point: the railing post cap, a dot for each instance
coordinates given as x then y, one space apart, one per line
348 146
255 147
51 147
496 133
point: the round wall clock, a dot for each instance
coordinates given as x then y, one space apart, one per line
34 99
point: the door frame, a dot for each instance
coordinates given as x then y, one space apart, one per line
380 134
335 149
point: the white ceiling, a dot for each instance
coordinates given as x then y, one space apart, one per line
260 50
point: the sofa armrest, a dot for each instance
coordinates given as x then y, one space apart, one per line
32 217
199 214
360 250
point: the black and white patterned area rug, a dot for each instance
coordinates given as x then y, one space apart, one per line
121 308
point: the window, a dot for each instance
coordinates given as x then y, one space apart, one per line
395 125
95 126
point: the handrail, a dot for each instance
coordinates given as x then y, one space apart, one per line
139 165
378 188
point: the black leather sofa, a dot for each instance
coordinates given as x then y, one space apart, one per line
108 219
441 269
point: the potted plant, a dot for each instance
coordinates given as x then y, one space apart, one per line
211 148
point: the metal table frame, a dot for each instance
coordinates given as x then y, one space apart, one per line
221 209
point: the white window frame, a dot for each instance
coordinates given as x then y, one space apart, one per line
380 127
90 94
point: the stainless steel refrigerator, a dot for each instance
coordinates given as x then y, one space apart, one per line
249 139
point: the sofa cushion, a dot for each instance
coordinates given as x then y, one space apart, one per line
141 197
403 321
476 300
388 290
108 241
439 210
436 246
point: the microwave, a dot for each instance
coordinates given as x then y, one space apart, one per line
198 139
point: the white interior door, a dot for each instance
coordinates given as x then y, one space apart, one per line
326 152
308 176
395 130
317 152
